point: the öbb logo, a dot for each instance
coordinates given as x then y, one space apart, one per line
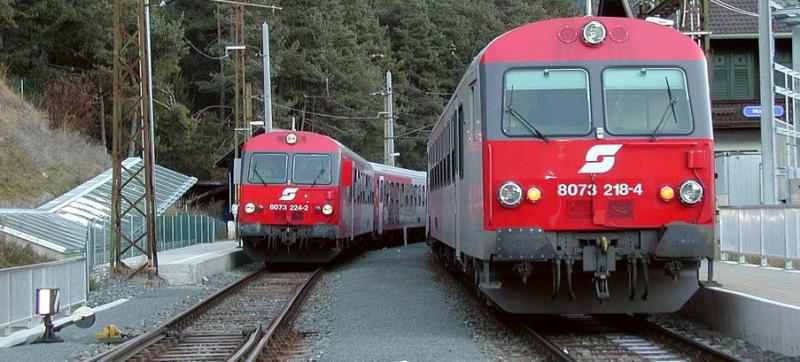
600 158
289 194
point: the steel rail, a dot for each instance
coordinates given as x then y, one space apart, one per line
141 342
287 314
709 353
553 349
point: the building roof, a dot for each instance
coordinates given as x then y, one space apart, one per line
61 224
726 21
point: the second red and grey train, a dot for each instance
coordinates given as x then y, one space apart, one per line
572 169
305 197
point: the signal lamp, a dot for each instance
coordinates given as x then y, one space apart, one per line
327 209
249 208
291 138
509 194
691 192
667 193
534 194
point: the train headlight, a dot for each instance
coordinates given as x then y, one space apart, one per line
327 209
534 194
291 138
691 192
667 193
509 194
594 33
249 208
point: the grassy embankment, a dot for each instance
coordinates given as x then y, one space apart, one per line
38 163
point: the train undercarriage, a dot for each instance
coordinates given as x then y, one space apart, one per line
292 243
537 272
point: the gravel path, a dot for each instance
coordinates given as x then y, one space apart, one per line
147 308
399 304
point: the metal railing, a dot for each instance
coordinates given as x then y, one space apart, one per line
763 231
18 290
174 231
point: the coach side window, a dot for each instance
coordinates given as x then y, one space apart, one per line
460 135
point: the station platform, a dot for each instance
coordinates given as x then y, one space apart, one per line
190 264
760 305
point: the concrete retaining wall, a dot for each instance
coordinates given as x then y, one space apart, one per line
770 325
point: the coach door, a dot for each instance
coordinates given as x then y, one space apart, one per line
457 172
380 205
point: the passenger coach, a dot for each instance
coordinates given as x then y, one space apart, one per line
305 197
571 171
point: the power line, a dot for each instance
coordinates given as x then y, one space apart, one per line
730 7
202 53
329 115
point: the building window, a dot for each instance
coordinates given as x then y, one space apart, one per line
733 76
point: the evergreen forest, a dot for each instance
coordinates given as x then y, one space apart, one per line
328 57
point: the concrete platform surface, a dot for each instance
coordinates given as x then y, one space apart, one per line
756 304
190 264
773 284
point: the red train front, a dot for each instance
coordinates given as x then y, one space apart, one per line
578 153
293 187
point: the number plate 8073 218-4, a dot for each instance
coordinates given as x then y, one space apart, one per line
615 189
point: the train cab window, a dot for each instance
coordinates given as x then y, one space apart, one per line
268 168
546 102
646 101
311 169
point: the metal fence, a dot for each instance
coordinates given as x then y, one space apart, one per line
764 231
18 290
174 231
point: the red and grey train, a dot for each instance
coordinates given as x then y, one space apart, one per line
572 170
305 197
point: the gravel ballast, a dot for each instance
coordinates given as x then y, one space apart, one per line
147 308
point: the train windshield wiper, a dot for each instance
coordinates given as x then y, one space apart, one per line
321 171
255 170
521 119
670 106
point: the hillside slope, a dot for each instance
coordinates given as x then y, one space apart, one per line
38 163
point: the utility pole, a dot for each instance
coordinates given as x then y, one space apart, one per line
388 149
138 105
267 80
765 50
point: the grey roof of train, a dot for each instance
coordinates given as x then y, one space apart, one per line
399 171
61 224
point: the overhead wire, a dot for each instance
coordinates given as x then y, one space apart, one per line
353 118
730 7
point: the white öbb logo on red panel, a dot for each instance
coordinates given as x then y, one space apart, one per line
600 158
289 194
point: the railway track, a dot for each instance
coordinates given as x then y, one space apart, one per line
617 338
235 324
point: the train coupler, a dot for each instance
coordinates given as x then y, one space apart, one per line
673 269
523 270
601 285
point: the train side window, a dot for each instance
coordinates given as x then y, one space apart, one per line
473 117
461 141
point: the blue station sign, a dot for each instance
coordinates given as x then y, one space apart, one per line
755 111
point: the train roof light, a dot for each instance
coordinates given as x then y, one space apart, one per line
291 138
594 33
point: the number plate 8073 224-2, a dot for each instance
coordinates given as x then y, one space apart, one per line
616 189
284 207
